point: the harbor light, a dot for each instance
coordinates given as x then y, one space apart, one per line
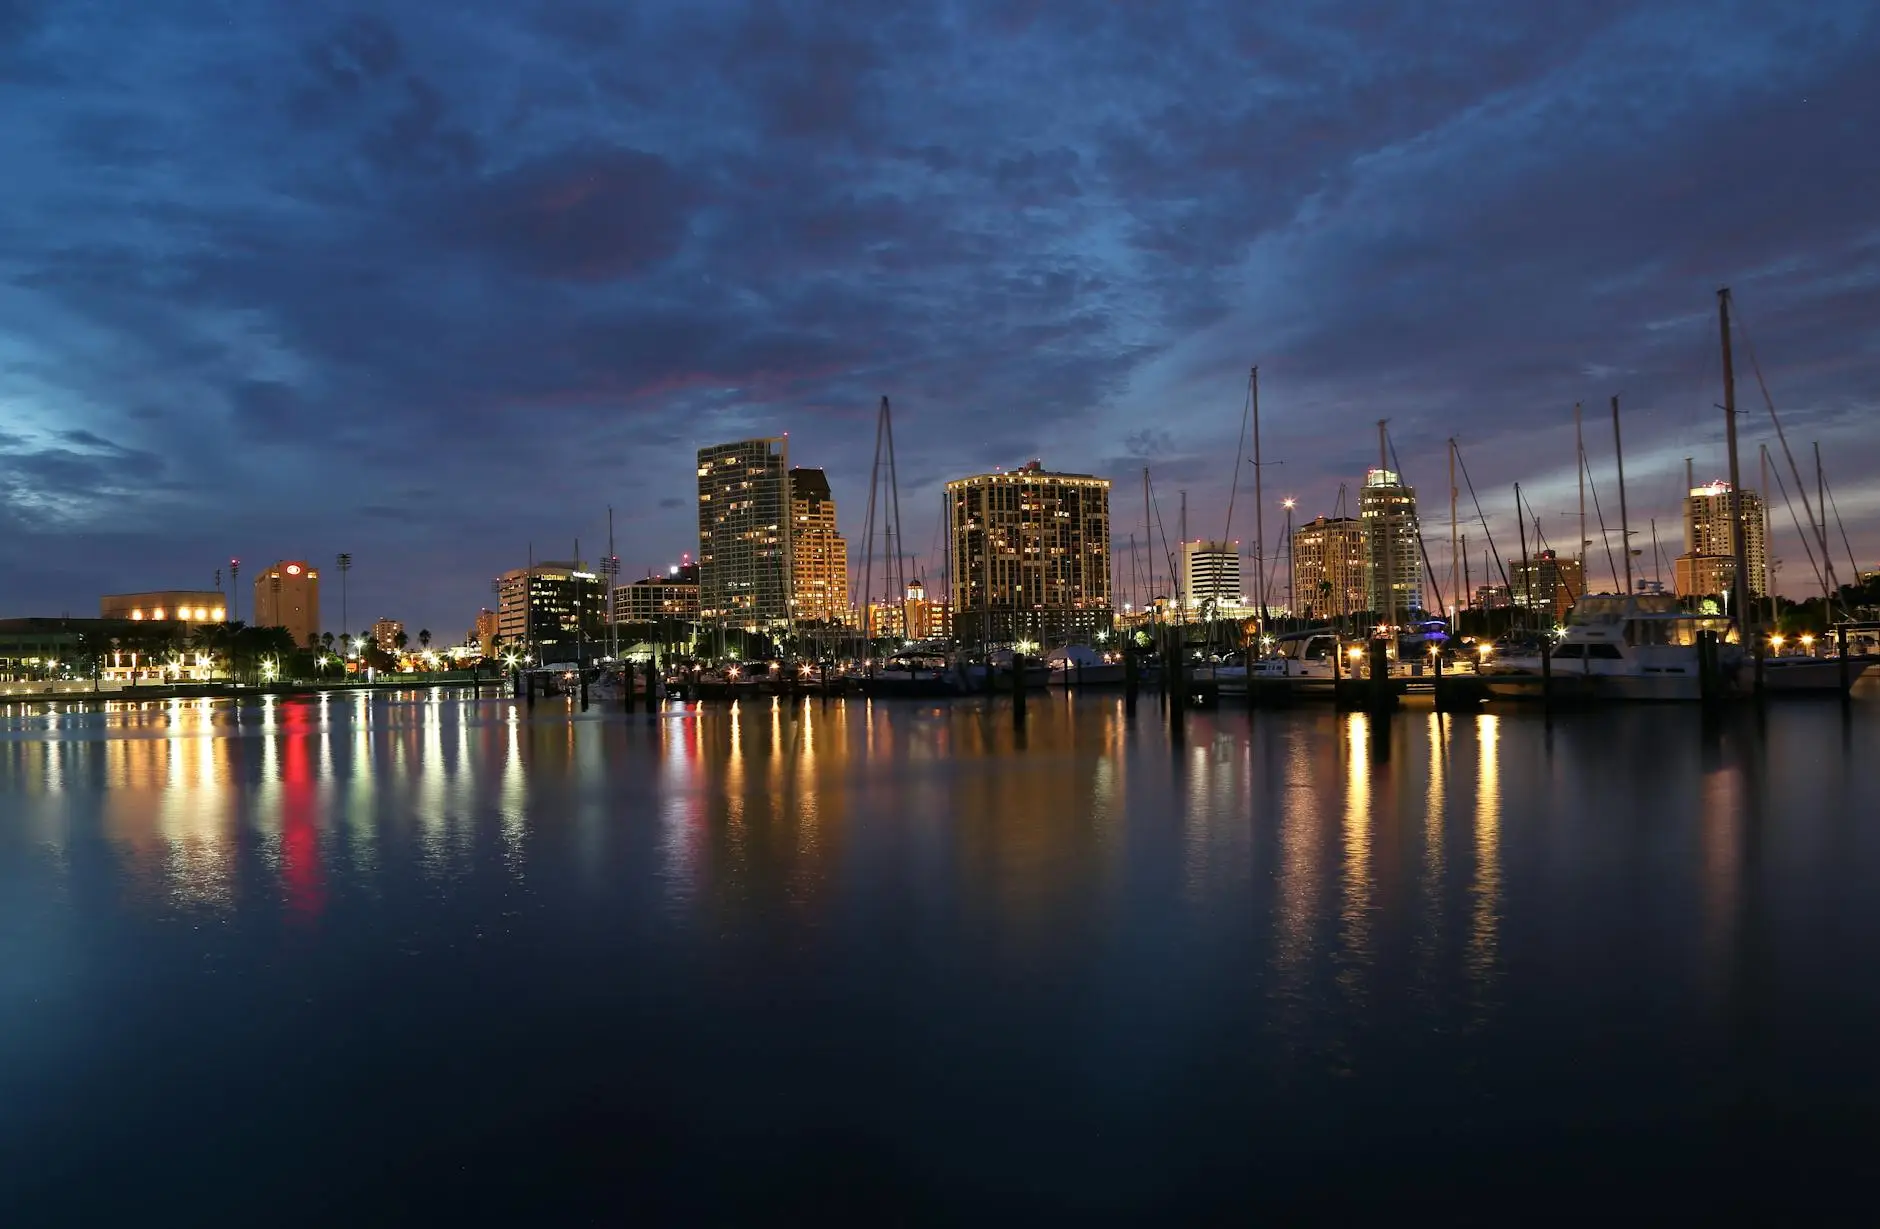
1775 641
1354 652
269 669
1026 646
1484 650
1808 642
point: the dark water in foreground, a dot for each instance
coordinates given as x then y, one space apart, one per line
404 958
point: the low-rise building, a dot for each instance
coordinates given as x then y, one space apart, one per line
165 605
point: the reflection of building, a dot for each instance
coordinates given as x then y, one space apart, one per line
288 595
918 618
483 635
1388 509
744 532
385 634
178 605
1031 555
1547 582
1210 576
653 599
1708 565
553 611
819 573
1331 564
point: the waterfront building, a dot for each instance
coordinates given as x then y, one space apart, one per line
1547 582
1492 597
1708 565
1388 510
385 634
819 569
552 612
483 635
657 599
744 533
1210 577
164 605
1331 566
1030 555
919 617
287 595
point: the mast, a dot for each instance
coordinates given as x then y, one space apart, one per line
1390 542
1579 446
1625 524
1739 584
613 566
1148 533
897 562
1827 568
1181 594
1455 562
1527 571
1259 503
1762 491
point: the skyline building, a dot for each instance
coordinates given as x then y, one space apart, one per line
385 634
1708 565
174 605
1547 582
744 532
1210 576
1029 552
655 599
1388 509
553 612
819 568
919 617
483 634
1331 567
288 595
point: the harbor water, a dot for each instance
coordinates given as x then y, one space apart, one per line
411 957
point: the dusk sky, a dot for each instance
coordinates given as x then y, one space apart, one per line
431 282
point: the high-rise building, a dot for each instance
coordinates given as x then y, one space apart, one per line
177 605
1030 555
744 533
483 635
288 595
819 572
1547 582
1331 567
919 617
1708 565
385 634
657 599
553 612
1210 578
1388 509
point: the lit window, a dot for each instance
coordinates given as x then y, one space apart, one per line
157 613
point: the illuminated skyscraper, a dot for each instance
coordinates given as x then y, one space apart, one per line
744 553
554 612
1331 560
1708 565
288 595
820 558
1030 555
1388 509
1211 576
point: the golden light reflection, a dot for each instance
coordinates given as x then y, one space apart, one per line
1355 913
1435 821
1485 892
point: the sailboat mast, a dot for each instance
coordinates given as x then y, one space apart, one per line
1390 538
613 566
1739 584
1455 563
1762 490
1148 534
1625 524
1827 568
1579 447
897 562
1259 503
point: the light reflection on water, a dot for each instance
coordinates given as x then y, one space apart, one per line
1297 913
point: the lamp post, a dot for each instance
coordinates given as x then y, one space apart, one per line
234 591
345 566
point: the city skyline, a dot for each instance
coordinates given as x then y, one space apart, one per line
516 308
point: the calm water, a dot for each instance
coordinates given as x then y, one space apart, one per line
391 959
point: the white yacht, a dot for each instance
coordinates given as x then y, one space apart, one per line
1630 647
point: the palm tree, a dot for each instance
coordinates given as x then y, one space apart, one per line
345 643
326 641
399 641
424 637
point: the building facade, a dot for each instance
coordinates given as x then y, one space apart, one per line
483 634
918 618
1547 582
1388 509
819 568
1030 555
657 599
1210 577
165 605
553 612
385 634
288 595
1331 567
744 533
1709 557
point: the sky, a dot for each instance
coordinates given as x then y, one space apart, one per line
439 284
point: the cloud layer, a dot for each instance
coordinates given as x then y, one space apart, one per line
431 287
